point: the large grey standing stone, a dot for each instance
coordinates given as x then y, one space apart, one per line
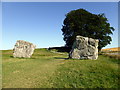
84 48
23 49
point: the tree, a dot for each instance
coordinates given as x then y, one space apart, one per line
84 23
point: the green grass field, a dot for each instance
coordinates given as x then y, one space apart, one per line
46 69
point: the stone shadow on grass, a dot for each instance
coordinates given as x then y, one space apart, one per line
11 57
61 58
22 57
72 59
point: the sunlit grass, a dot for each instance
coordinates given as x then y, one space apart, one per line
46 69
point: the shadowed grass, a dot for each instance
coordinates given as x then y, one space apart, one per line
46 69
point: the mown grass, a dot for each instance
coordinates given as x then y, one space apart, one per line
46 69
111 54
101 73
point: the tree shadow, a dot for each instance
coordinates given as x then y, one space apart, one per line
60 49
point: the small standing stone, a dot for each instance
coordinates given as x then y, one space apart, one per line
23 49
84 48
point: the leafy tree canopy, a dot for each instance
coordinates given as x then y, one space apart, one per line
84 23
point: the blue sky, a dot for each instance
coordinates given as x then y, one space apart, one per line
41 22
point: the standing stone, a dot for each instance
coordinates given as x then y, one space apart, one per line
84 48
23 49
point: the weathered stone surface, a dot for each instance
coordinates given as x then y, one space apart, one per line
84 48
23 49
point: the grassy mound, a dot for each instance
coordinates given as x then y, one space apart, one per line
47 69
